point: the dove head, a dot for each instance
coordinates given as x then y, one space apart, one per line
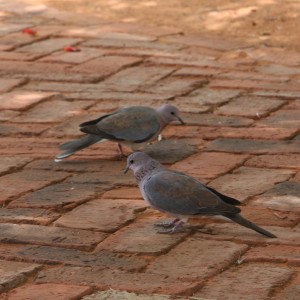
169 113
141 164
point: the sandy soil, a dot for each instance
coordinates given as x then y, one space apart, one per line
268 22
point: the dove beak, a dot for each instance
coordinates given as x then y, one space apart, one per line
126 170
180 120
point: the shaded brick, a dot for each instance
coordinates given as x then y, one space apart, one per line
73 257
192 71
274 253
11 163
254 146
83 55
7 84
291 161
195 259
49 45
264 133
6 115
25 130
140 237
247 106
283 196
251 281
117 280
105 66
123 193
19 56
16 39
48 292
20 100
179 132
253 84
237 233
57 196
215 120
27 215
17 183
207 165
102 215
171 151
292 291
14 273
246 182
53 111
278 93
50 236
259 214
282 118
278 69
175 85
125 36
45 71
135 78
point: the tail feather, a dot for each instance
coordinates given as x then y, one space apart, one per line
74 146
237 218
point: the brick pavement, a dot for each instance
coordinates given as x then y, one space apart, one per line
79 229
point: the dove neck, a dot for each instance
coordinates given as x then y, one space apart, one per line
146 170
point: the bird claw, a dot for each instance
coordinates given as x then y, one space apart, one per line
175 229
166 224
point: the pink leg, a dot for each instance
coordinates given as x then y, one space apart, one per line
167 224
177 228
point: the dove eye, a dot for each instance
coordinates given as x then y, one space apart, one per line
172 113
131 161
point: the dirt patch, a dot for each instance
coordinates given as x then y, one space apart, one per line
262 22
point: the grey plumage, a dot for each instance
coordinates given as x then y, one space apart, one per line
135 124
183 196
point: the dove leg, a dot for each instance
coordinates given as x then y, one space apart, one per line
167 224
178 227
121 150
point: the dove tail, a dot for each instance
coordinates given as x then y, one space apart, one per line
74 146
237 218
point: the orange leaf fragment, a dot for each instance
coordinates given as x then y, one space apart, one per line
71 49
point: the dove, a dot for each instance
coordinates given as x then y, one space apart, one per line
182 196
132 125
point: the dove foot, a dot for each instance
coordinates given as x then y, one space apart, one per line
167 224
175 229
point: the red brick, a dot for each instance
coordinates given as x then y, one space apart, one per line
57 255
12 163
135 78
117 280
278 93
276 69
207 166
7 84
50 236
56 196
15 273
27 215
196 259
255 133
105 66
253 107
48 46
283 196
291 161
294 105
141 237
282 118
246 182
17 183
274 253
45 71
20 100
102 215
53 111
17 39
83 55
247 281
185 104
290 292
124 36
24 130
185 71
49 292
253 84
123 193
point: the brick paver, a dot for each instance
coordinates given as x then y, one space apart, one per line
79 229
